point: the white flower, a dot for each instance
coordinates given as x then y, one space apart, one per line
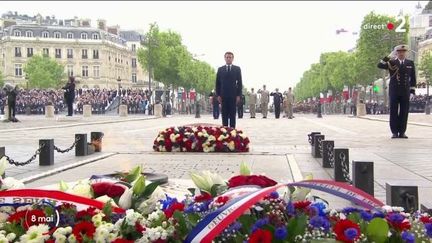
132 217
82 188
125 200
11 183
206 149
3 217
72 238
231 145
3 239
223 130
205 180
106 199
36 234
234 133
11 236
149 205
97 219
172 137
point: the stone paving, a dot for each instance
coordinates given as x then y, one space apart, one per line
128 143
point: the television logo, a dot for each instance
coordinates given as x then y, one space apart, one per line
389 26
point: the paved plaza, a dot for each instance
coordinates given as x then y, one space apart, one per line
279 149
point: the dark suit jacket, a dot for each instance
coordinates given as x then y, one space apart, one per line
229 84
402 77
69 92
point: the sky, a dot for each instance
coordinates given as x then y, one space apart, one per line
273 42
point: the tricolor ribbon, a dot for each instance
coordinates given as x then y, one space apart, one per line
214 223
32 196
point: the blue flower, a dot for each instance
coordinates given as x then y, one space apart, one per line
274 195
396 218
168 202
379 215
351 233
290 208
319 208
190 209
366 216
349 210
234 227
281 233
261 222
408 237
320 222
428 228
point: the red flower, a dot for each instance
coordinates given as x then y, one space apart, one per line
342 226
301 204
50 241
203 197
88 213
261 236
222 200
17 217
174 207
425 219
101 188
34 217
123 241
402 226
139 227
83 229
257 180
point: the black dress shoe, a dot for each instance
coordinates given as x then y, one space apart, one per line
395 135
403 136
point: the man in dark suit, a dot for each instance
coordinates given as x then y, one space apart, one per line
229 89
402 84
69 95
277 100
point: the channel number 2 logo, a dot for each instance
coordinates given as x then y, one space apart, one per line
401 27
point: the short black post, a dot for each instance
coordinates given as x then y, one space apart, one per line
316 147
310 137
341 165
3 153
319 110
363 176
96 140
327 154
46 155
402 196
81 148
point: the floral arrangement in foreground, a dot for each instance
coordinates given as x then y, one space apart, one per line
201 139
291 215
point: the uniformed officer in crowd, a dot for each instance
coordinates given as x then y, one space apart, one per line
277 101
252 103
69 95
215 104
240 106
11 93
289 101
402 84
264 100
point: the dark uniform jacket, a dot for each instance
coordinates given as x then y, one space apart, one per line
69 94
402 77
229 83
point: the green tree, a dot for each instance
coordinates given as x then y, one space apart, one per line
374 44
425 66
44 72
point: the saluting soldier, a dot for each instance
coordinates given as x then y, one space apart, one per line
402 84
277 100
265 97
252 103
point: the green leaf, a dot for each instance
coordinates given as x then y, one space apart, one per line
214 190
192 191
296 226
139 186
182 226
355 217
324 241
107 209
149 189
193 218
133 174
377 230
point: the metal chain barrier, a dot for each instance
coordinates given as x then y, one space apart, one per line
68 149
330 153
13 162
345 169
310 139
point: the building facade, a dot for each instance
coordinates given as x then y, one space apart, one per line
96 57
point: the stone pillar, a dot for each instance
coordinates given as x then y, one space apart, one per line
49 111
123 110
87 110
158 110
361 109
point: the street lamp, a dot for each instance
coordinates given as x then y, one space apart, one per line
119 86
27 81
